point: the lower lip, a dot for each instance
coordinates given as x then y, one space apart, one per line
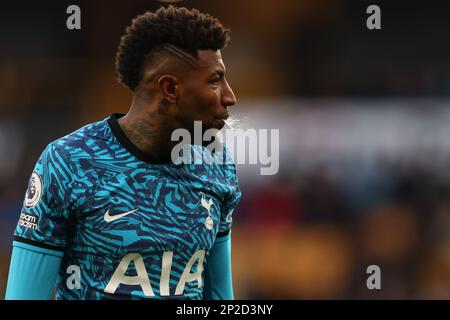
222 122
224 116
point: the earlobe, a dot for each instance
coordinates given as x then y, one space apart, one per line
168 87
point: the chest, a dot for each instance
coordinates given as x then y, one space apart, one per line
150 212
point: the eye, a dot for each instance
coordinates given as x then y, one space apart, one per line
216 79
215 82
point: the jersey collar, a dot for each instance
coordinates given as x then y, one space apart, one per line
128 145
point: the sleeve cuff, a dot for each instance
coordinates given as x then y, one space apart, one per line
38 247
223 236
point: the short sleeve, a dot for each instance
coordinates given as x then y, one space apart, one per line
45 219
230 202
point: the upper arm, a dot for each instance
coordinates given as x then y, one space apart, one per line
231 200
218 275
45 219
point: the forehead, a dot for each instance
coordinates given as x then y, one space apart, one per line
209 59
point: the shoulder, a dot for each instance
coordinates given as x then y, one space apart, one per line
85 138
73 151
230 165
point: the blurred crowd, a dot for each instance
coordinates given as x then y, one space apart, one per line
307 239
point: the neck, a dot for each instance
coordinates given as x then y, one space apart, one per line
147 128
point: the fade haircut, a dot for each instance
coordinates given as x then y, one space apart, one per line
169 27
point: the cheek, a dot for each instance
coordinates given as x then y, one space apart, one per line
210 101
202 104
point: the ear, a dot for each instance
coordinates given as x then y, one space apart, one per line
169 88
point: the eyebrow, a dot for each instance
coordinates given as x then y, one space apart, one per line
220 72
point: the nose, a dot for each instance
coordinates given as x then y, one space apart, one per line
228 98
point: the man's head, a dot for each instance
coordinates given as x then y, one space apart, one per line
172 58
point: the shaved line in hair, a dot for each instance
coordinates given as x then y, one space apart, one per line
181 54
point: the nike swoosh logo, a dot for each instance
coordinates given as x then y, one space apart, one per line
109 218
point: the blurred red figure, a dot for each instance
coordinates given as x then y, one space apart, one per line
273 206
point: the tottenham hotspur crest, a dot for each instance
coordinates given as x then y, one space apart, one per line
209 223
34 191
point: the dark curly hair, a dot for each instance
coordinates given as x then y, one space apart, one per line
189 30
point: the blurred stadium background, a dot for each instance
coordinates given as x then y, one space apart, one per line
364 121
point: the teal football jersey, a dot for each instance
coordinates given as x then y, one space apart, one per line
127 227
